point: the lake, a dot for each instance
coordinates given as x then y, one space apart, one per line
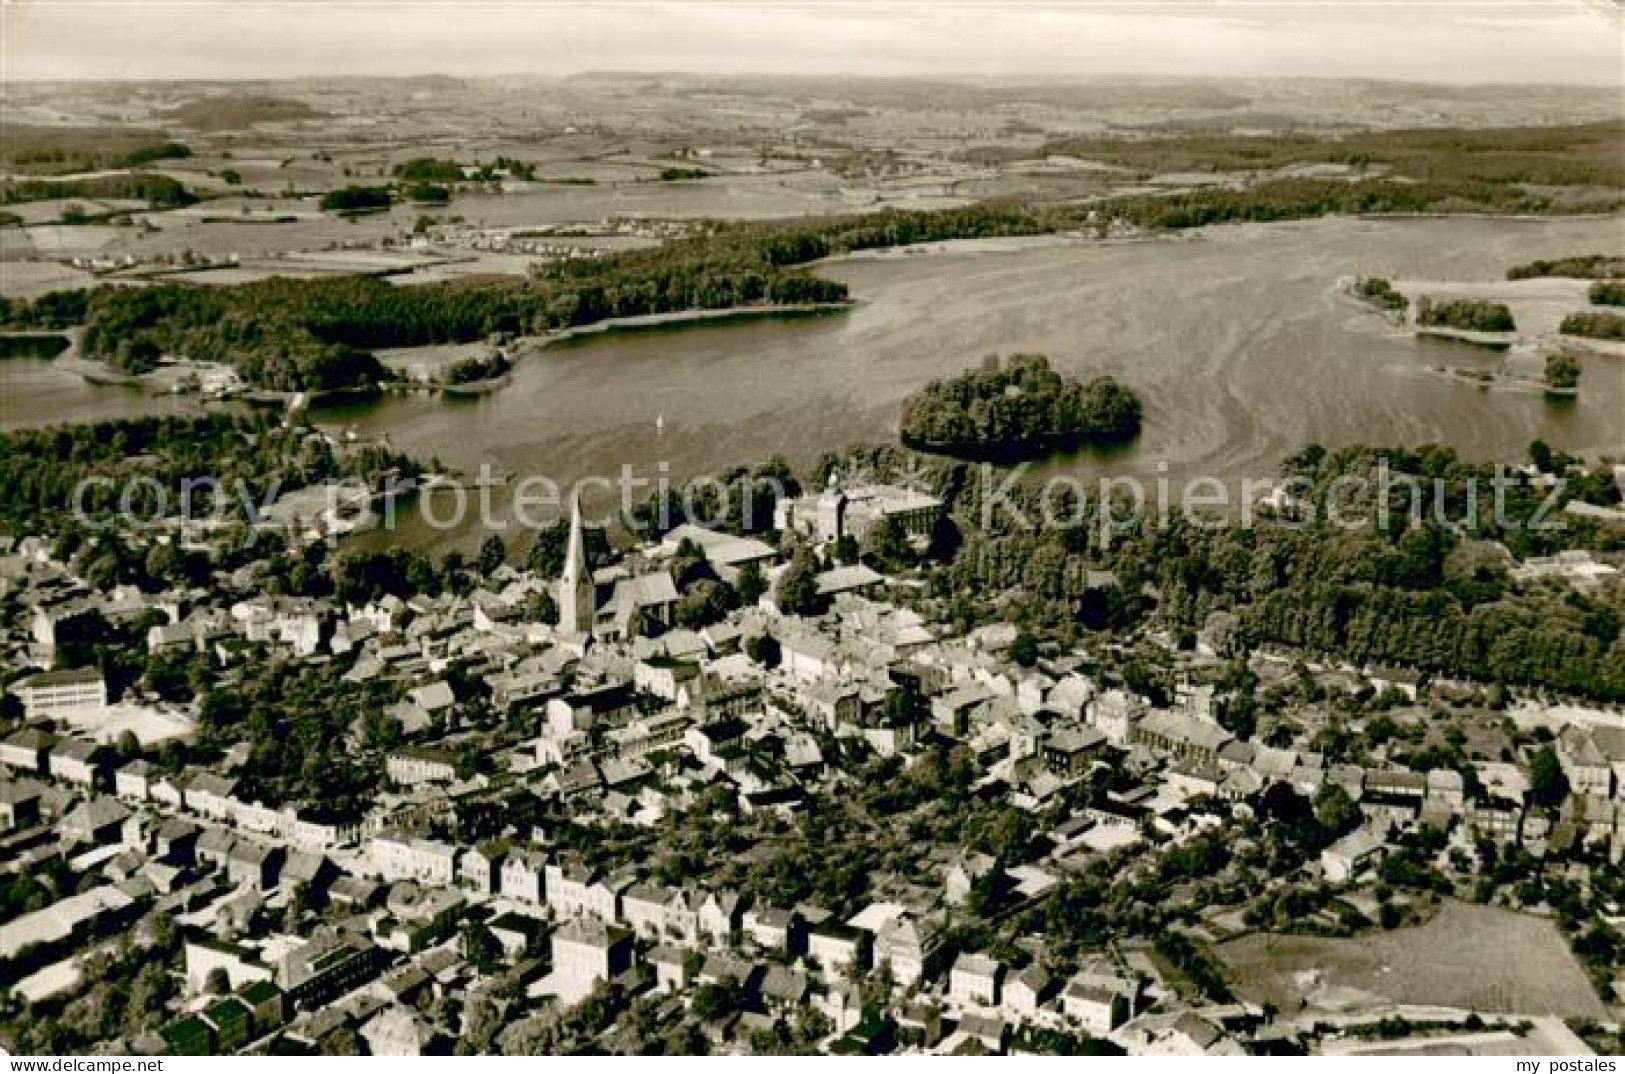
1235 338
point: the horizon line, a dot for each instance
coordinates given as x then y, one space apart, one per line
968 78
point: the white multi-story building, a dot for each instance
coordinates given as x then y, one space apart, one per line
521 876
585 952
52 694
399 857
412 765
973 982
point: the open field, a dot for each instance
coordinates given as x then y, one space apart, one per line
1470 957
150 726
30 279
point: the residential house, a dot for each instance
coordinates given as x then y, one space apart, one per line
905 943
521 876
1346 857
683 916
963 875
20 803
586 952
1070 752
1024 993
211 795
671 967
808 656
784 991
973 982
720 916
771 928
835 948
643 909
665 678
176 841
574 891
1587 763
100 821
519 935
132 781
75 761
1099 998
399 857
254 863
586 708
479 868
1116 715
27 751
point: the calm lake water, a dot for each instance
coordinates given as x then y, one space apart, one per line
1235 339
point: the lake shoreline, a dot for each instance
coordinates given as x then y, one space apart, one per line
677 318
1249 317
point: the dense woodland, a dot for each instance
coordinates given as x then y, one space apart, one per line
1569 155
158 191
1017 407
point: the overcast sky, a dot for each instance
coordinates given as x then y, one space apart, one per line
1574 41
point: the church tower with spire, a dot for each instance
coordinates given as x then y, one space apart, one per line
578 599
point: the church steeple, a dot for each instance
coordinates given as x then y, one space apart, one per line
578 603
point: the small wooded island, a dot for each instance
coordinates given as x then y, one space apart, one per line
1017 407
1466 314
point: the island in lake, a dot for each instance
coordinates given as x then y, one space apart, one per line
1017 407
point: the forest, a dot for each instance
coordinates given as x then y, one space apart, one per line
1017 407
1565 155
158 191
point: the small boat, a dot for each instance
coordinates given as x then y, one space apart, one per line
660 424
